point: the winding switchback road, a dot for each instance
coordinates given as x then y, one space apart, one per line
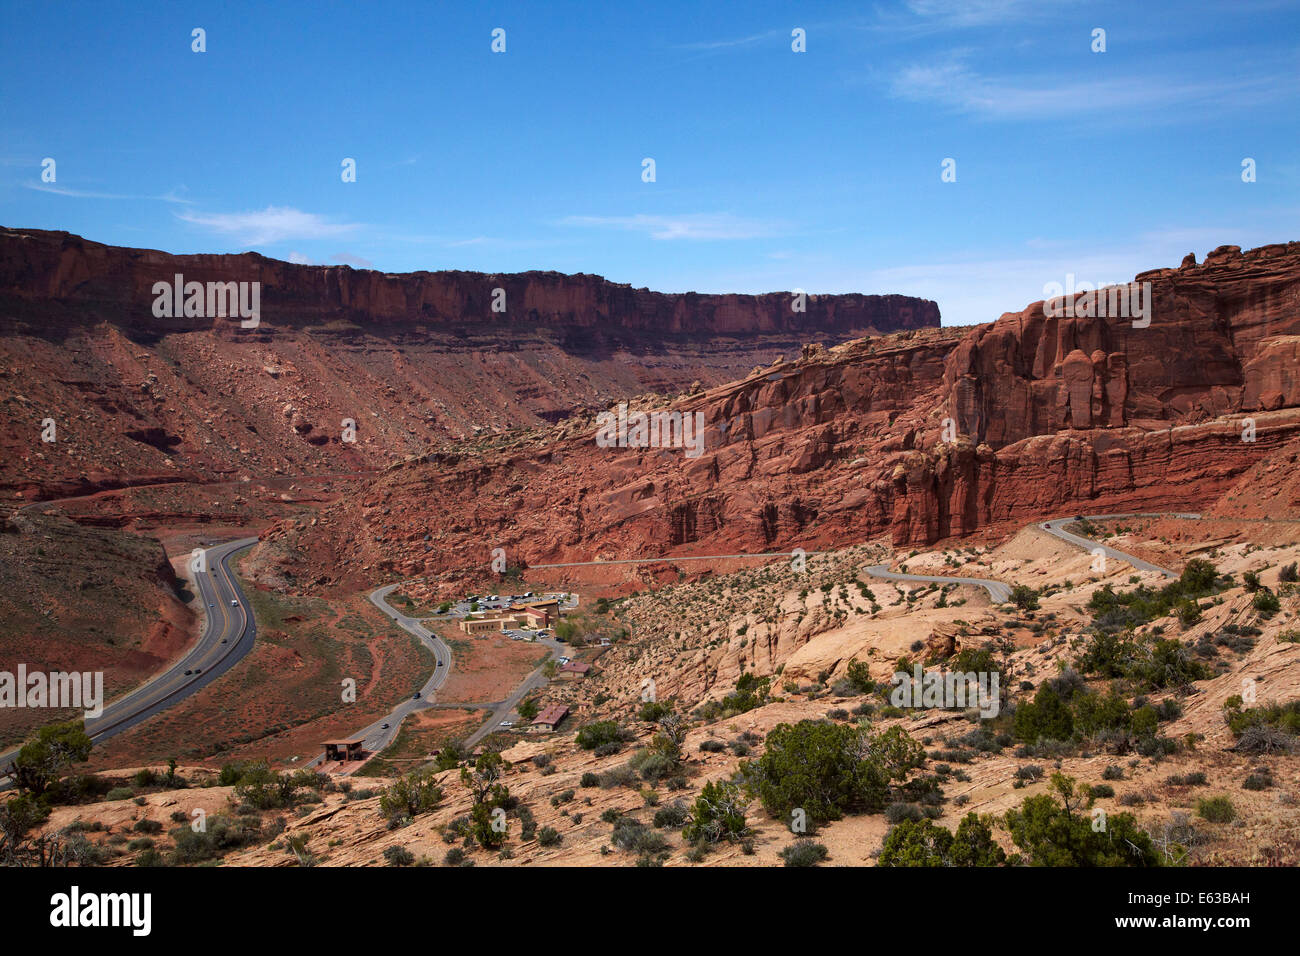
378 737
1001 593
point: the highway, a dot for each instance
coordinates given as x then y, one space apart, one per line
230 631
228 634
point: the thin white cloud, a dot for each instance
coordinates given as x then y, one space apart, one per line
974 13
964 90
692 226
57 190
270 225
736 43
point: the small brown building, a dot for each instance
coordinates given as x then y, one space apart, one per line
574 670
345 750
550 718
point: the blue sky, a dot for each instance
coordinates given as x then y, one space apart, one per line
775 170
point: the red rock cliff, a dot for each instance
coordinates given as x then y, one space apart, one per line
922 435
57 265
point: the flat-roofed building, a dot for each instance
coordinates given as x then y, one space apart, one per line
345 750
535 616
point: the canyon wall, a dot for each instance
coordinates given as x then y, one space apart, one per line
919 435
413 362
37 264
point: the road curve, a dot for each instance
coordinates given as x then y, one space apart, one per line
377 738
383 731
999 593
503 708
229 632
1056 528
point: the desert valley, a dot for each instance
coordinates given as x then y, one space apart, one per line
451 451
1103 518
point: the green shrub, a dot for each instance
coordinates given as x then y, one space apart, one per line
1024 597
1053 829
1266 603
1046 717
672 815
1216 809
717 814
922 843
398 856
601 732
828 770
418 792
804 853
635 837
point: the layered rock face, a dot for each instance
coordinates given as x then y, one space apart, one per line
918 435
1222 338
412 362
52 265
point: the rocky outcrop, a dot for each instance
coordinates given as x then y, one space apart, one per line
1221 340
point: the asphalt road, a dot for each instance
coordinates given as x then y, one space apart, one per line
383 731
999 593
377 737
228 634
504 708
230 631
1056 527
